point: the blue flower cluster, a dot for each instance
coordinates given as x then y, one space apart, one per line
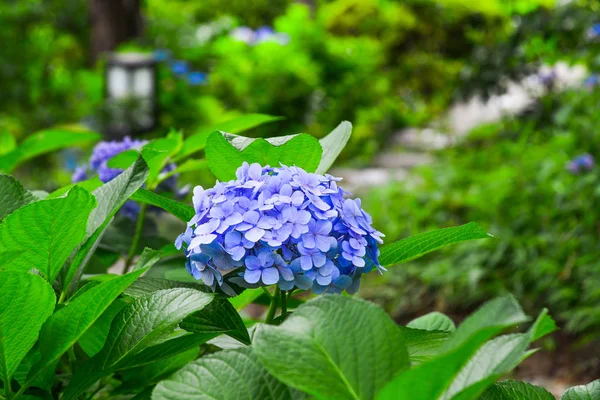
582 163
281 226
262 34
180 68
98 165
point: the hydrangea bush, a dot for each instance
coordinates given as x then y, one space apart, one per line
70 332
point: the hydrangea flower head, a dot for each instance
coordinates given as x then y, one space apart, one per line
280 226
98 165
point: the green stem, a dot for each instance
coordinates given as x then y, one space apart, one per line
136 238
272 307
7 388
283 302
269 295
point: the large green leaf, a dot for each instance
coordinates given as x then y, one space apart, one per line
434 321
225 153
12 195
417 383
26 301
591 391
179 210
333 347
45 233
226 375
515 390
146 322
423 345
110 197
68 324
218 317
90 185
44 142
197 141
333 144
418 245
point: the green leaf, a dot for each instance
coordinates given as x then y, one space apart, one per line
355 347
495 359
225 152
12 196
135 379
434 321
26 301
515 390
418 245
90 185
197 141
179 210
333 144
46 232
225 375
423 345
190 165
146 322
417 383
591 391
110 196
94 338
68 324
124 159
7 142
158 152
218 317
245 298
44 142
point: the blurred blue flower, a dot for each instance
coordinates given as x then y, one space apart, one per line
582 163
243 34
179 67
196 78
594 31
281 226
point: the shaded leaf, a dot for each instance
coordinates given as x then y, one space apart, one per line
218 317
423 345
12 195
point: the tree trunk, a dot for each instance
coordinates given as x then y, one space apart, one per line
113 22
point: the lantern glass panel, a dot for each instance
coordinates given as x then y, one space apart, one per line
143 82
117 82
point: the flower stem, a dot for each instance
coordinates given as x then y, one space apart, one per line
283 302
272 307
136 238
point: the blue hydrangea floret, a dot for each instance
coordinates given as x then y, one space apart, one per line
279 226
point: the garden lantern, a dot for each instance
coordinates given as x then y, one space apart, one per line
131 94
